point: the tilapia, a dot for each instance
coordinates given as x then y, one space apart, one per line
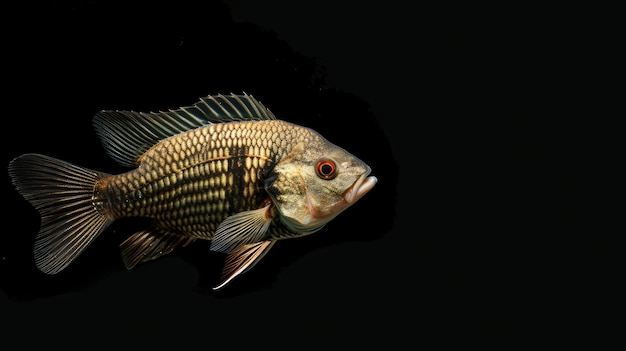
224 169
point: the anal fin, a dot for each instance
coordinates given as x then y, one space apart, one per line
242 259
148 245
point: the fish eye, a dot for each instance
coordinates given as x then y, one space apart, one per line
326 169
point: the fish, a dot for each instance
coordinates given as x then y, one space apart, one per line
223 169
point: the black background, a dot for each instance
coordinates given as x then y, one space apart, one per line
492 129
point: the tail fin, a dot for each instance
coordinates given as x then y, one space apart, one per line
62 193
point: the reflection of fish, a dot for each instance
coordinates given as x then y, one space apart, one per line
224 169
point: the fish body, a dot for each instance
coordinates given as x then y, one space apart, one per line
224 169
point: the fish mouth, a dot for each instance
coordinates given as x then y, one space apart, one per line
360 187
317 218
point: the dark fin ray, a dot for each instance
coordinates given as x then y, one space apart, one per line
243 228
62 194
148 245
126 135
242 260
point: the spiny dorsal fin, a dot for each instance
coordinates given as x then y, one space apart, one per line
126 135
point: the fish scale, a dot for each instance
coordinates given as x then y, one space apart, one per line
190 182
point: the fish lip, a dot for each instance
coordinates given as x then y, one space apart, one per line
361 186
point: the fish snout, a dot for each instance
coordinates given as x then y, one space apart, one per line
360 187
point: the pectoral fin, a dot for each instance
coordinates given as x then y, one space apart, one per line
242 259
241 229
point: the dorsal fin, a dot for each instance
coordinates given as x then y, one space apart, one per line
126 135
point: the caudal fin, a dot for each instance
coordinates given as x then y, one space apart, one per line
62 193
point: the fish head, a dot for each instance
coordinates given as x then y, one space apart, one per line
315 182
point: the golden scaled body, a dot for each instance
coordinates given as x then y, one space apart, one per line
191 182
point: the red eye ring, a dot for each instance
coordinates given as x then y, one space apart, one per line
326 169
